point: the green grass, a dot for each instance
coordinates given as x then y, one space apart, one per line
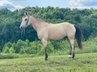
14 55
86 62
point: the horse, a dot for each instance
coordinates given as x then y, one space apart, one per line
48 31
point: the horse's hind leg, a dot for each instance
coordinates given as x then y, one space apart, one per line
44 43
72 49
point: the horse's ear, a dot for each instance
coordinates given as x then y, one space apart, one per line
25 14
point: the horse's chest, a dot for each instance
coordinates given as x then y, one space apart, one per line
42 34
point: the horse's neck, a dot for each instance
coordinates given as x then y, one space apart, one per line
37 23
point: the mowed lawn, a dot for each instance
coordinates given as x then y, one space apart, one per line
86 62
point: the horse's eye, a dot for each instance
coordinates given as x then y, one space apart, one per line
25 19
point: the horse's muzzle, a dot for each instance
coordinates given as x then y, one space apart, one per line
22 30
21 27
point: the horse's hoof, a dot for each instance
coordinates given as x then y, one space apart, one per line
70 56
46 59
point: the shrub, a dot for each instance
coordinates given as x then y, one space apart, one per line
5 50
11 50
8 56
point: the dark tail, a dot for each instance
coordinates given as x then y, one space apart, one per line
78 36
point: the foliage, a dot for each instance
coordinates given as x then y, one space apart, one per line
53 47
86 19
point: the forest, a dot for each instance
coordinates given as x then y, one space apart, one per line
12 41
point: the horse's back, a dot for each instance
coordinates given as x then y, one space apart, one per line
60 30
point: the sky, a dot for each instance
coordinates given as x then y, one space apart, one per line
19 4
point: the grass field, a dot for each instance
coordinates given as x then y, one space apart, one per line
86 62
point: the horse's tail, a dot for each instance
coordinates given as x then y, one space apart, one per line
78 36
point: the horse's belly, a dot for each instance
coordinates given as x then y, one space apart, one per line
56 35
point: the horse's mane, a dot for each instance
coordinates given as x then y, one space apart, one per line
38 20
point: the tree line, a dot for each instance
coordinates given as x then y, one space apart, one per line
85 19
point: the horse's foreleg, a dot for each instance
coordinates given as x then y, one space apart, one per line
44 43
46 55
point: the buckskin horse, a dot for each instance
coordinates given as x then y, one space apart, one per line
48 31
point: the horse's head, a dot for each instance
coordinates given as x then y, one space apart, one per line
25 21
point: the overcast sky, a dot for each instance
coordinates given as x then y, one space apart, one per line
18 4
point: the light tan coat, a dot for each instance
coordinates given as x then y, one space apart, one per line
48 31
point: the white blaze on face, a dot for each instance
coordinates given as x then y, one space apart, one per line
25 22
